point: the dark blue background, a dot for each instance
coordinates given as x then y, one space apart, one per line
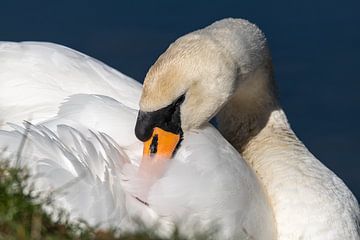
315 47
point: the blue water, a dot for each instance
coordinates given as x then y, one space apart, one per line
315 48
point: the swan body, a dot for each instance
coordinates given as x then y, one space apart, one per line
81 147
37 77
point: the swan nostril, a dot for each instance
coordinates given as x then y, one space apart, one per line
154 144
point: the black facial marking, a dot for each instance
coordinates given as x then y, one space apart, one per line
167 118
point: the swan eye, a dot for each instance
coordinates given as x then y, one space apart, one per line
180 100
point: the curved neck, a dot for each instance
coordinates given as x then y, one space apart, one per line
248 110
291 176
254 123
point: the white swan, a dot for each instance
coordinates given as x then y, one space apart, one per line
89 141
226 69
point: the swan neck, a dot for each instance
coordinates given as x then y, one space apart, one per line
275 137
247 113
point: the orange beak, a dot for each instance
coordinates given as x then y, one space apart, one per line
162 144
158 150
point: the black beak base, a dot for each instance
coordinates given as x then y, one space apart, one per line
167 118
144 126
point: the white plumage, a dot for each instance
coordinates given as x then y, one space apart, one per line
37 77
88 140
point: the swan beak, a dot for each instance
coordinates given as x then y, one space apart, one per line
161 145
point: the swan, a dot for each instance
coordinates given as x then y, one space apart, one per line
225 70
278 189
81 147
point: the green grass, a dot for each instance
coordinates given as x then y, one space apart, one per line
22 215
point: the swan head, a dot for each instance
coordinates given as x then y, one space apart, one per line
185 87
225 64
